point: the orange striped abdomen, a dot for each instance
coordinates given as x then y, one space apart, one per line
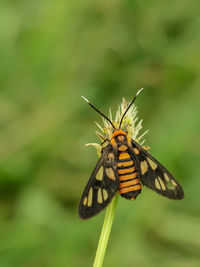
130 186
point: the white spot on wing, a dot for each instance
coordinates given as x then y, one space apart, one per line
143 167
166 178
157 184
85 201
162 184
105 194
110 173
90 197
173 183
152 164
99 175
99 196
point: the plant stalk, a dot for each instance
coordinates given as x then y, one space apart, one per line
105 232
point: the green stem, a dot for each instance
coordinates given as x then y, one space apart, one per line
105 232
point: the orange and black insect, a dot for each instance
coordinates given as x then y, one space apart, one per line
123 166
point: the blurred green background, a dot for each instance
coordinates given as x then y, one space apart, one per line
51 53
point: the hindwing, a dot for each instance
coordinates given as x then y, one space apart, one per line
102 185
153 174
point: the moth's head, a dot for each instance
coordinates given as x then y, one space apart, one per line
117 132
119 126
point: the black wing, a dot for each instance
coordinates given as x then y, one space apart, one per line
154 175
102 185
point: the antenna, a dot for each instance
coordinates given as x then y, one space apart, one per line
138 92
99 111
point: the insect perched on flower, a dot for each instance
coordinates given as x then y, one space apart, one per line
124 165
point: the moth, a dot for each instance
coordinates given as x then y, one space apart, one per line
124 166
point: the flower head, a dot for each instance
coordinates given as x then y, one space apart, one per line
130 124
